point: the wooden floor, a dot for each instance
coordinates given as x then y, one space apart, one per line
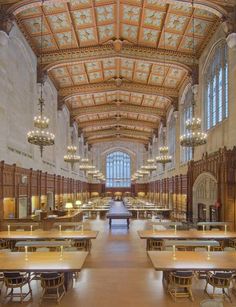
118 273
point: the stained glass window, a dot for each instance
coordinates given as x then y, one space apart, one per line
118 169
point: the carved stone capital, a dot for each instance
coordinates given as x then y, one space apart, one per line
231 41
228 24
195 89
195 75
175 103
41 75
60 103
6 20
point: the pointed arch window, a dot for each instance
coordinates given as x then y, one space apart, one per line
216 91
186 114
118 169
171 135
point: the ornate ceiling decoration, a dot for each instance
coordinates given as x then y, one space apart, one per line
106 57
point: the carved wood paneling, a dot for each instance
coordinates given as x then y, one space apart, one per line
16 182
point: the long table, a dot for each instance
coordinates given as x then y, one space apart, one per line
185 234
15 236
202 261
149 209
67 262
118 211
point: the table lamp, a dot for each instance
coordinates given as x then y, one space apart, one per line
78 203
69 206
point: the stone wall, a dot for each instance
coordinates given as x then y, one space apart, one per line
19 104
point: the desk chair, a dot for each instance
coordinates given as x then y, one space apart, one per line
219 280
180 284
53 286
14 280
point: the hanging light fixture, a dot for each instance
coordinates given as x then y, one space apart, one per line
164 157
194 136
39 136
150 166
71 156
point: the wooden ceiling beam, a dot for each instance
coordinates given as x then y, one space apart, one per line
124 131
122 121
94 88
58 58
121 138
81 111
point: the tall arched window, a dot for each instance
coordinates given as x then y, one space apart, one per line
216 91
186 113
118 168
171 139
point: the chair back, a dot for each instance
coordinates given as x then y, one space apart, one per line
155 244
183 278
13 279
51 280
222 279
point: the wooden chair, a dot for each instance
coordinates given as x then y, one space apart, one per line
14 280
180 284
3 244
53 286
155 245
81 244
220 280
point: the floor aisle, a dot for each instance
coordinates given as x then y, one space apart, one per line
118 273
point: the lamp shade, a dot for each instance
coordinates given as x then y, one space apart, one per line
69 206
78 202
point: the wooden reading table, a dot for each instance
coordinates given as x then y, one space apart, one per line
118 211
15 236
186 234
66 262
195 261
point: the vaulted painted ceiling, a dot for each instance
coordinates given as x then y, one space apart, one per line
118 65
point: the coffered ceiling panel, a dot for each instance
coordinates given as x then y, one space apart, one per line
122 95
126 69
88 23
117 98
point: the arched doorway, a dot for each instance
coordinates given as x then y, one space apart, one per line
204 198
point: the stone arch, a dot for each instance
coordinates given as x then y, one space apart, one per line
211 53
205 191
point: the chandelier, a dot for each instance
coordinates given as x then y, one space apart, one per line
71 156
143 172
85 165
92 172
40 136
164 157
150 166
194 136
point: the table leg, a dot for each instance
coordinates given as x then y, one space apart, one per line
110 222
128 223
68 280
